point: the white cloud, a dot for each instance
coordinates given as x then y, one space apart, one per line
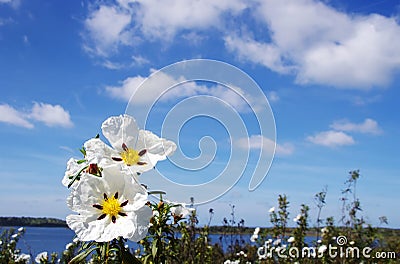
13 3
273 97
331 138
305 38
112 65
139 60
106 27
25 39
261 142
265 54
322 45
10 115
369 126
162 19
156 89
109 26
51 115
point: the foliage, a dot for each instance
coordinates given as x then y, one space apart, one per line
175 236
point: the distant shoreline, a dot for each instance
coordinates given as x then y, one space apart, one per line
14 221
31 221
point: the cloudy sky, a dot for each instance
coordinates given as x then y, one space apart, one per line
330 70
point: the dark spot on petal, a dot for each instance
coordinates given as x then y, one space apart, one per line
98 206
102 216
116 159
122 214
142 152
116 195
113 219
124 147
141 163
105 196
124 203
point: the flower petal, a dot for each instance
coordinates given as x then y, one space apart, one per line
120 129
157 148
132 224
99 152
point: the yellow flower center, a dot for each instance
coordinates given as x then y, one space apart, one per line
111 206
130 156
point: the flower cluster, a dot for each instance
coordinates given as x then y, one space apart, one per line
106 193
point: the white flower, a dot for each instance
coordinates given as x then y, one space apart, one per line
41 257
108 207
256 231
271 210
139 150
21 229
180 209
352 242
297 218
324 230
1 242
25 258
75 240
98 155
254 238
14 236
290 240
69 245
319 241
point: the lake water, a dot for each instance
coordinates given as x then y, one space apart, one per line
54 239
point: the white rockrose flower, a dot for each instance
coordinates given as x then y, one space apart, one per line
291 239
180 209
271 210
42 257
97 155
24 258
139 150
69 245
254 237
297 218
108 207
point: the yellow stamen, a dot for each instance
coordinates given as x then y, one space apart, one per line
111 206
130 156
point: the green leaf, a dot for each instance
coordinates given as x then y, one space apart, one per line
154 248
81 161
128 258
83 151
82 256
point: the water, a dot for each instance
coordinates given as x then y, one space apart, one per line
50 239
54 239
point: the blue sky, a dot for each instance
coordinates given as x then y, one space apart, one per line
330 70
